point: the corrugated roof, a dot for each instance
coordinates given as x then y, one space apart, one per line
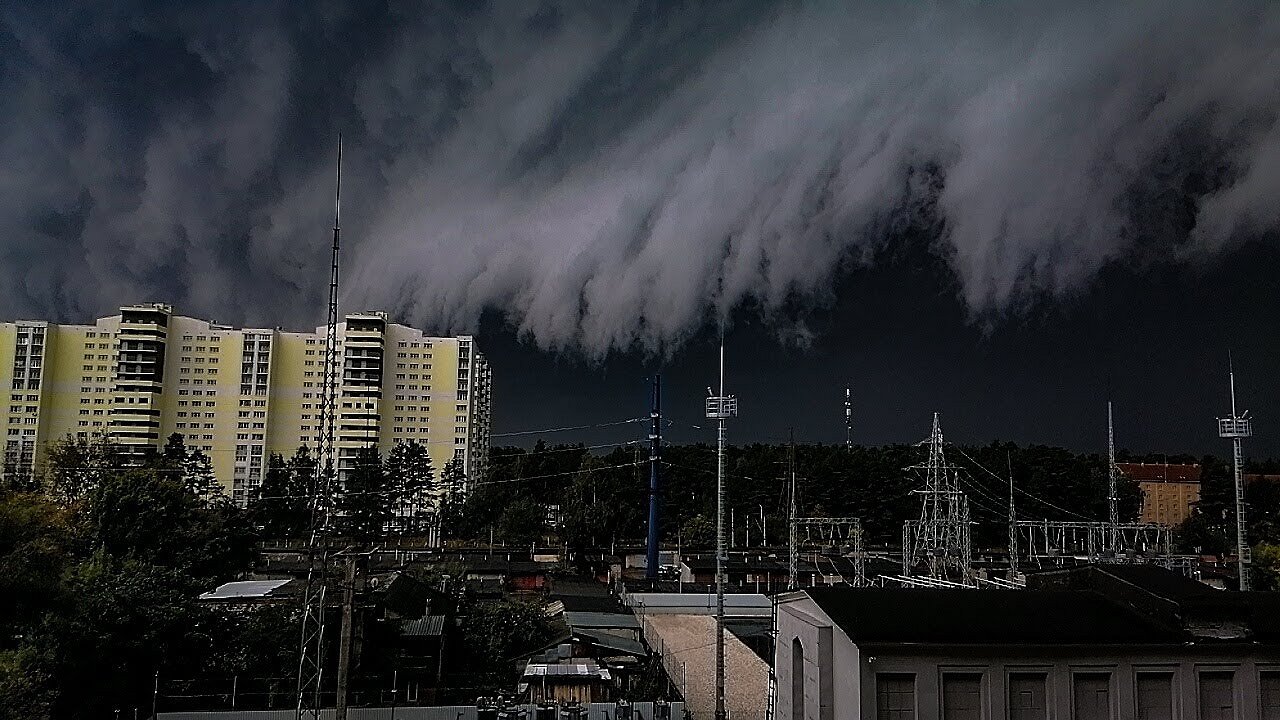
584 670
243 589
429 626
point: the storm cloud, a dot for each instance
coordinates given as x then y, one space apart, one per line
616 176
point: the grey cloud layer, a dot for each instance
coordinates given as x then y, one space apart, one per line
609 178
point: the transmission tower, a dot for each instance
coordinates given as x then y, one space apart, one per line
1237 427
939 540
311 645
720 407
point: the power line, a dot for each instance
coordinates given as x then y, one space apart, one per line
567 428
1037 498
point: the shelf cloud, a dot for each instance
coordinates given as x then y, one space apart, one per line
613 176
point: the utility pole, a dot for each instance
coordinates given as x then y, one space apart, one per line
345 647
1113 499
1237 427
720 407
1013 520
655 453
791 514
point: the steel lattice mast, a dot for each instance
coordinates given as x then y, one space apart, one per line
1237 427
1113 499
720 407
311 645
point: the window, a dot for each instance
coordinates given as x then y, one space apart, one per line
895 696
1091 695
1027 696
1155 696
1217 696
1269 702
961 696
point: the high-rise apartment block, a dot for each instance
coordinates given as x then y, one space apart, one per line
239 395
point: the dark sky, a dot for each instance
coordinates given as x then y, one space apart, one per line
1004 212
1153 339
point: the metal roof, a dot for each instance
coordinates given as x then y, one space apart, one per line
625 621
739 604
605 641
429 626
584 670
243 589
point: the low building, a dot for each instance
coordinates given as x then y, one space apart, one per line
1091 643
581 681
1169 491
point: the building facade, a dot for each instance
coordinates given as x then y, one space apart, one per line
1131 646
240 395
1169 492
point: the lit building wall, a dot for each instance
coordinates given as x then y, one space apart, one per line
240 395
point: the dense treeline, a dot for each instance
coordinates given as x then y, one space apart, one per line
604 497
101 565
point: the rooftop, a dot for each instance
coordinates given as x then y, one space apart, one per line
244 589
921 616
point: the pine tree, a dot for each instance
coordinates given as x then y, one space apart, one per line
367 498
280 506
412 479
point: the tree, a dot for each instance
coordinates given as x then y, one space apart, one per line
280 506
74 466
366 500
1209 528
34 540
191 466
522 522
698 533
494 633
413 483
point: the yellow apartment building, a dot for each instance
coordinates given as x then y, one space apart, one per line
239 395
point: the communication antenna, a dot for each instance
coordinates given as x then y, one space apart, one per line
311 646
1237 427
720 407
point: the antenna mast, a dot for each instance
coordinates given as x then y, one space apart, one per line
311 647
1237 427
1113 500
792 570
655 453
720 407
848 418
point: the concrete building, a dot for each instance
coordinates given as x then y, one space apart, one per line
239 395
1089 644
1169 492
